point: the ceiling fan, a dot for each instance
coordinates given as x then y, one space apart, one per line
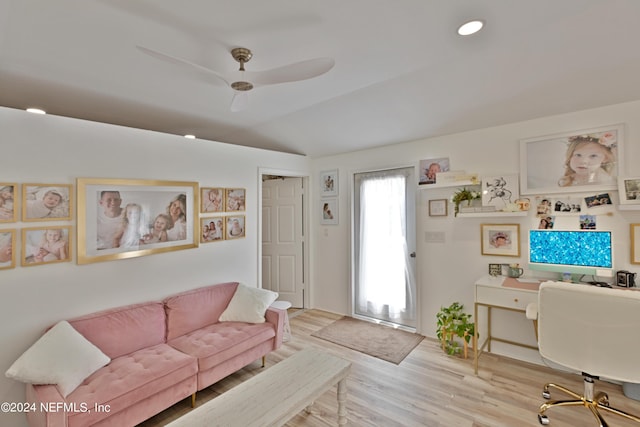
242 81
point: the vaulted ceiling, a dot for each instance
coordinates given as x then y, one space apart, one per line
401 71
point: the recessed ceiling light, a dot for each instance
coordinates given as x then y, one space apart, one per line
36 111
470 27
190 136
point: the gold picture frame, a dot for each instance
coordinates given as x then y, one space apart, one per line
212 229
235 200
46 245
47 202
500 239
635 243
125 218
212 200
438 207
8 202
7 249
235 227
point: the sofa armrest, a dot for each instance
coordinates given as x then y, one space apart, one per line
43 396
276 317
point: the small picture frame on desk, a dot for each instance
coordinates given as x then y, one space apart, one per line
495 270
438 207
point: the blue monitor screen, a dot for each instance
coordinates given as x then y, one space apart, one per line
572 248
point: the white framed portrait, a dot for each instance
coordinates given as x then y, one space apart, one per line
585 160
329 183
329 214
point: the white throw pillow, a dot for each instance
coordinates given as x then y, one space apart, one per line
248 305
62 356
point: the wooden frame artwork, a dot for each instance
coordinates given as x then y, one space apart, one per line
500 239
212 200
120 218
235 200
235 228
7 249
635 243
47 202
438 207
8 202
212 229
558 163
46 245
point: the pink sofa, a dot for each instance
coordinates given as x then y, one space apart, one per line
161 353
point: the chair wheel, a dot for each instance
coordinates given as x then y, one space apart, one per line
544 420
546 394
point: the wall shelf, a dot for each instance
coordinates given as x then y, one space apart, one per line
465 183
490 214
629 207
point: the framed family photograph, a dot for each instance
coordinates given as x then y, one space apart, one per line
235 200
120 218
586 160
499 190
500 239
429 168
235 227
46 245
44 202
7 249
211 200
438 207
629 190
8 208
329 183
329 214
635 243
212 229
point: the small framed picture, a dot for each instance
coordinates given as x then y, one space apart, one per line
329 183
8 209
235 200
235 227
46 245
635 243
329 214
7 249
495 270
629 189
212 229
43 202
500 239
211 200
438 207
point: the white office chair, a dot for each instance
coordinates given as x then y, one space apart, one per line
590 330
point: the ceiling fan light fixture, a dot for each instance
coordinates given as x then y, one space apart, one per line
241 86
470 27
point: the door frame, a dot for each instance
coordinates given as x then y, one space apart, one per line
306 297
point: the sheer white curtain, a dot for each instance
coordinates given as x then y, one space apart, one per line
385 279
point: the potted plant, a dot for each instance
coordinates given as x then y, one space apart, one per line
453 322
463 194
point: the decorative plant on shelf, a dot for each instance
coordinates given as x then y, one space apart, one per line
453 322
463 194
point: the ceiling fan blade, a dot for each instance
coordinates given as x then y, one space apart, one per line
293 72
240 101
180 61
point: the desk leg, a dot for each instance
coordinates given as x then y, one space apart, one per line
342 399
475 339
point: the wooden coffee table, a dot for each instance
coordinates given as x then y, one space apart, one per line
275 395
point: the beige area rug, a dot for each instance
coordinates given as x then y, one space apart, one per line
383 342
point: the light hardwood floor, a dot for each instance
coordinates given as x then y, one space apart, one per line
428 388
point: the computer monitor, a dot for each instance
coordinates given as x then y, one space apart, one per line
580 252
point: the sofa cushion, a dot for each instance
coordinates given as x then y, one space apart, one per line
62 356
191 310
220 342
248 305
123 330
130 379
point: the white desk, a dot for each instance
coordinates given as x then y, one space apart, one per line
505 294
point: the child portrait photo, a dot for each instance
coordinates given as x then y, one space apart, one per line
212 229
429 168
7 249
235 227
211 200
8 208
46 245
235 199
41 202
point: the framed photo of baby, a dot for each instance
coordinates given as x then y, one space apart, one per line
45 202
7 249
46 245
212 229
586 160
235 228
500 239
629 190
211 200
8 207
119 218
235 199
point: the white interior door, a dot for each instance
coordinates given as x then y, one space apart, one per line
283 239
384 242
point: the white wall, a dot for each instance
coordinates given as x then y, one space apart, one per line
48 149
447 271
